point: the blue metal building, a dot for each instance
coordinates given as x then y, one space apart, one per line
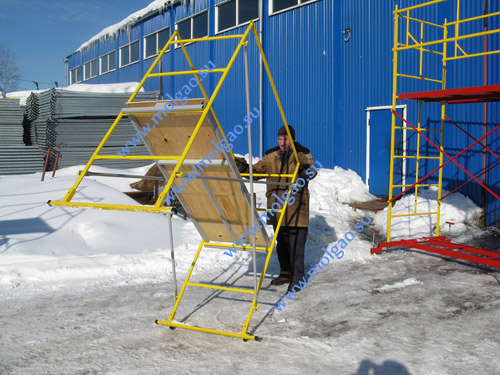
331 61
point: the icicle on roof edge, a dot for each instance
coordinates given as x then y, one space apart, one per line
128 22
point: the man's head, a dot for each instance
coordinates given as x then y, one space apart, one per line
283 139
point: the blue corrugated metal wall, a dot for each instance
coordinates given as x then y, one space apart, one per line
326 83
302 65
493 119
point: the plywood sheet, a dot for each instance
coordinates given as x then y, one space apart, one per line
220 209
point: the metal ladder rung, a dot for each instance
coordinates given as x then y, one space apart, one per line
415 214
218 287
424 130
418 185
415 157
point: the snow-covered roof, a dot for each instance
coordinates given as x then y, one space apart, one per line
124 87
126 23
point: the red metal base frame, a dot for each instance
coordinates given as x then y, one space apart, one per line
443 246
477 94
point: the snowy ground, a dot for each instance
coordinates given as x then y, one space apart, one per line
80 291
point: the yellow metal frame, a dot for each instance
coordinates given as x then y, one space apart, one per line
439 47
159 206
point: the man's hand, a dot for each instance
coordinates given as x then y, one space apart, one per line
241 164
303 161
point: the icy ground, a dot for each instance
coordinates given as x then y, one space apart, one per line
80 291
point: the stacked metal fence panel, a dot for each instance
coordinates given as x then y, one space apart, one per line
15 156
74 123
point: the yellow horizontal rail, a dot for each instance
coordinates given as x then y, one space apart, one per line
417 77
472 18
416 214
154 113
117 207
423 49
417 6
408 128
207 330
224 245
472 55
137 157
206 39
415 157
452 39
267 175
184 72
419 185
239 290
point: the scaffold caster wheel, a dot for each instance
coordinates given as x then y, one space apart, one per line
257 338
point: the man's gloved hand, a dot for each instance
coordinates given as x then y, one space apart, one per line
303 161
241 164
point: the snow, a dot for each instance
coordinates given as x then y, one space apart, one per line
80 291
399 285
126 24
117 88
22 95
455 208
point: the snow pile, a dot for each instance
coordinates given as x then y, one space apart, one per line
330 218
38 242
456 208
126 24
338 185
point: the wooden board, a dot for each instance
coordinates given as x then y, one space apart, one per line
220 209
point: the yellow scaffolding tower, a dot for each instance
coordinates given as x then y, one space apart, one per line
418 43
172 166
414 40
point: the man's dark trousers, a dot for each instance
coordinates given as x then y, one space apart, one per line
291 246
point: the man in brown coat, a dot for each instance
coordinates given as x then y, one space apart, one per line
294 227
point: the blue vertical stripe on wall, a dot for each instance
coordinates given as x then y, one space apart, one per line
301 64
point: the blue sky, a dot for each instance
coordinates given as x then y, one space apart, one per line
43 32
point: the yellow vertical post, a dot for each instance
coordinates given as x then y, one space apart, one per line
456 28
419 119
407 27
186 281
419 127
443 115
393 123
421 50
